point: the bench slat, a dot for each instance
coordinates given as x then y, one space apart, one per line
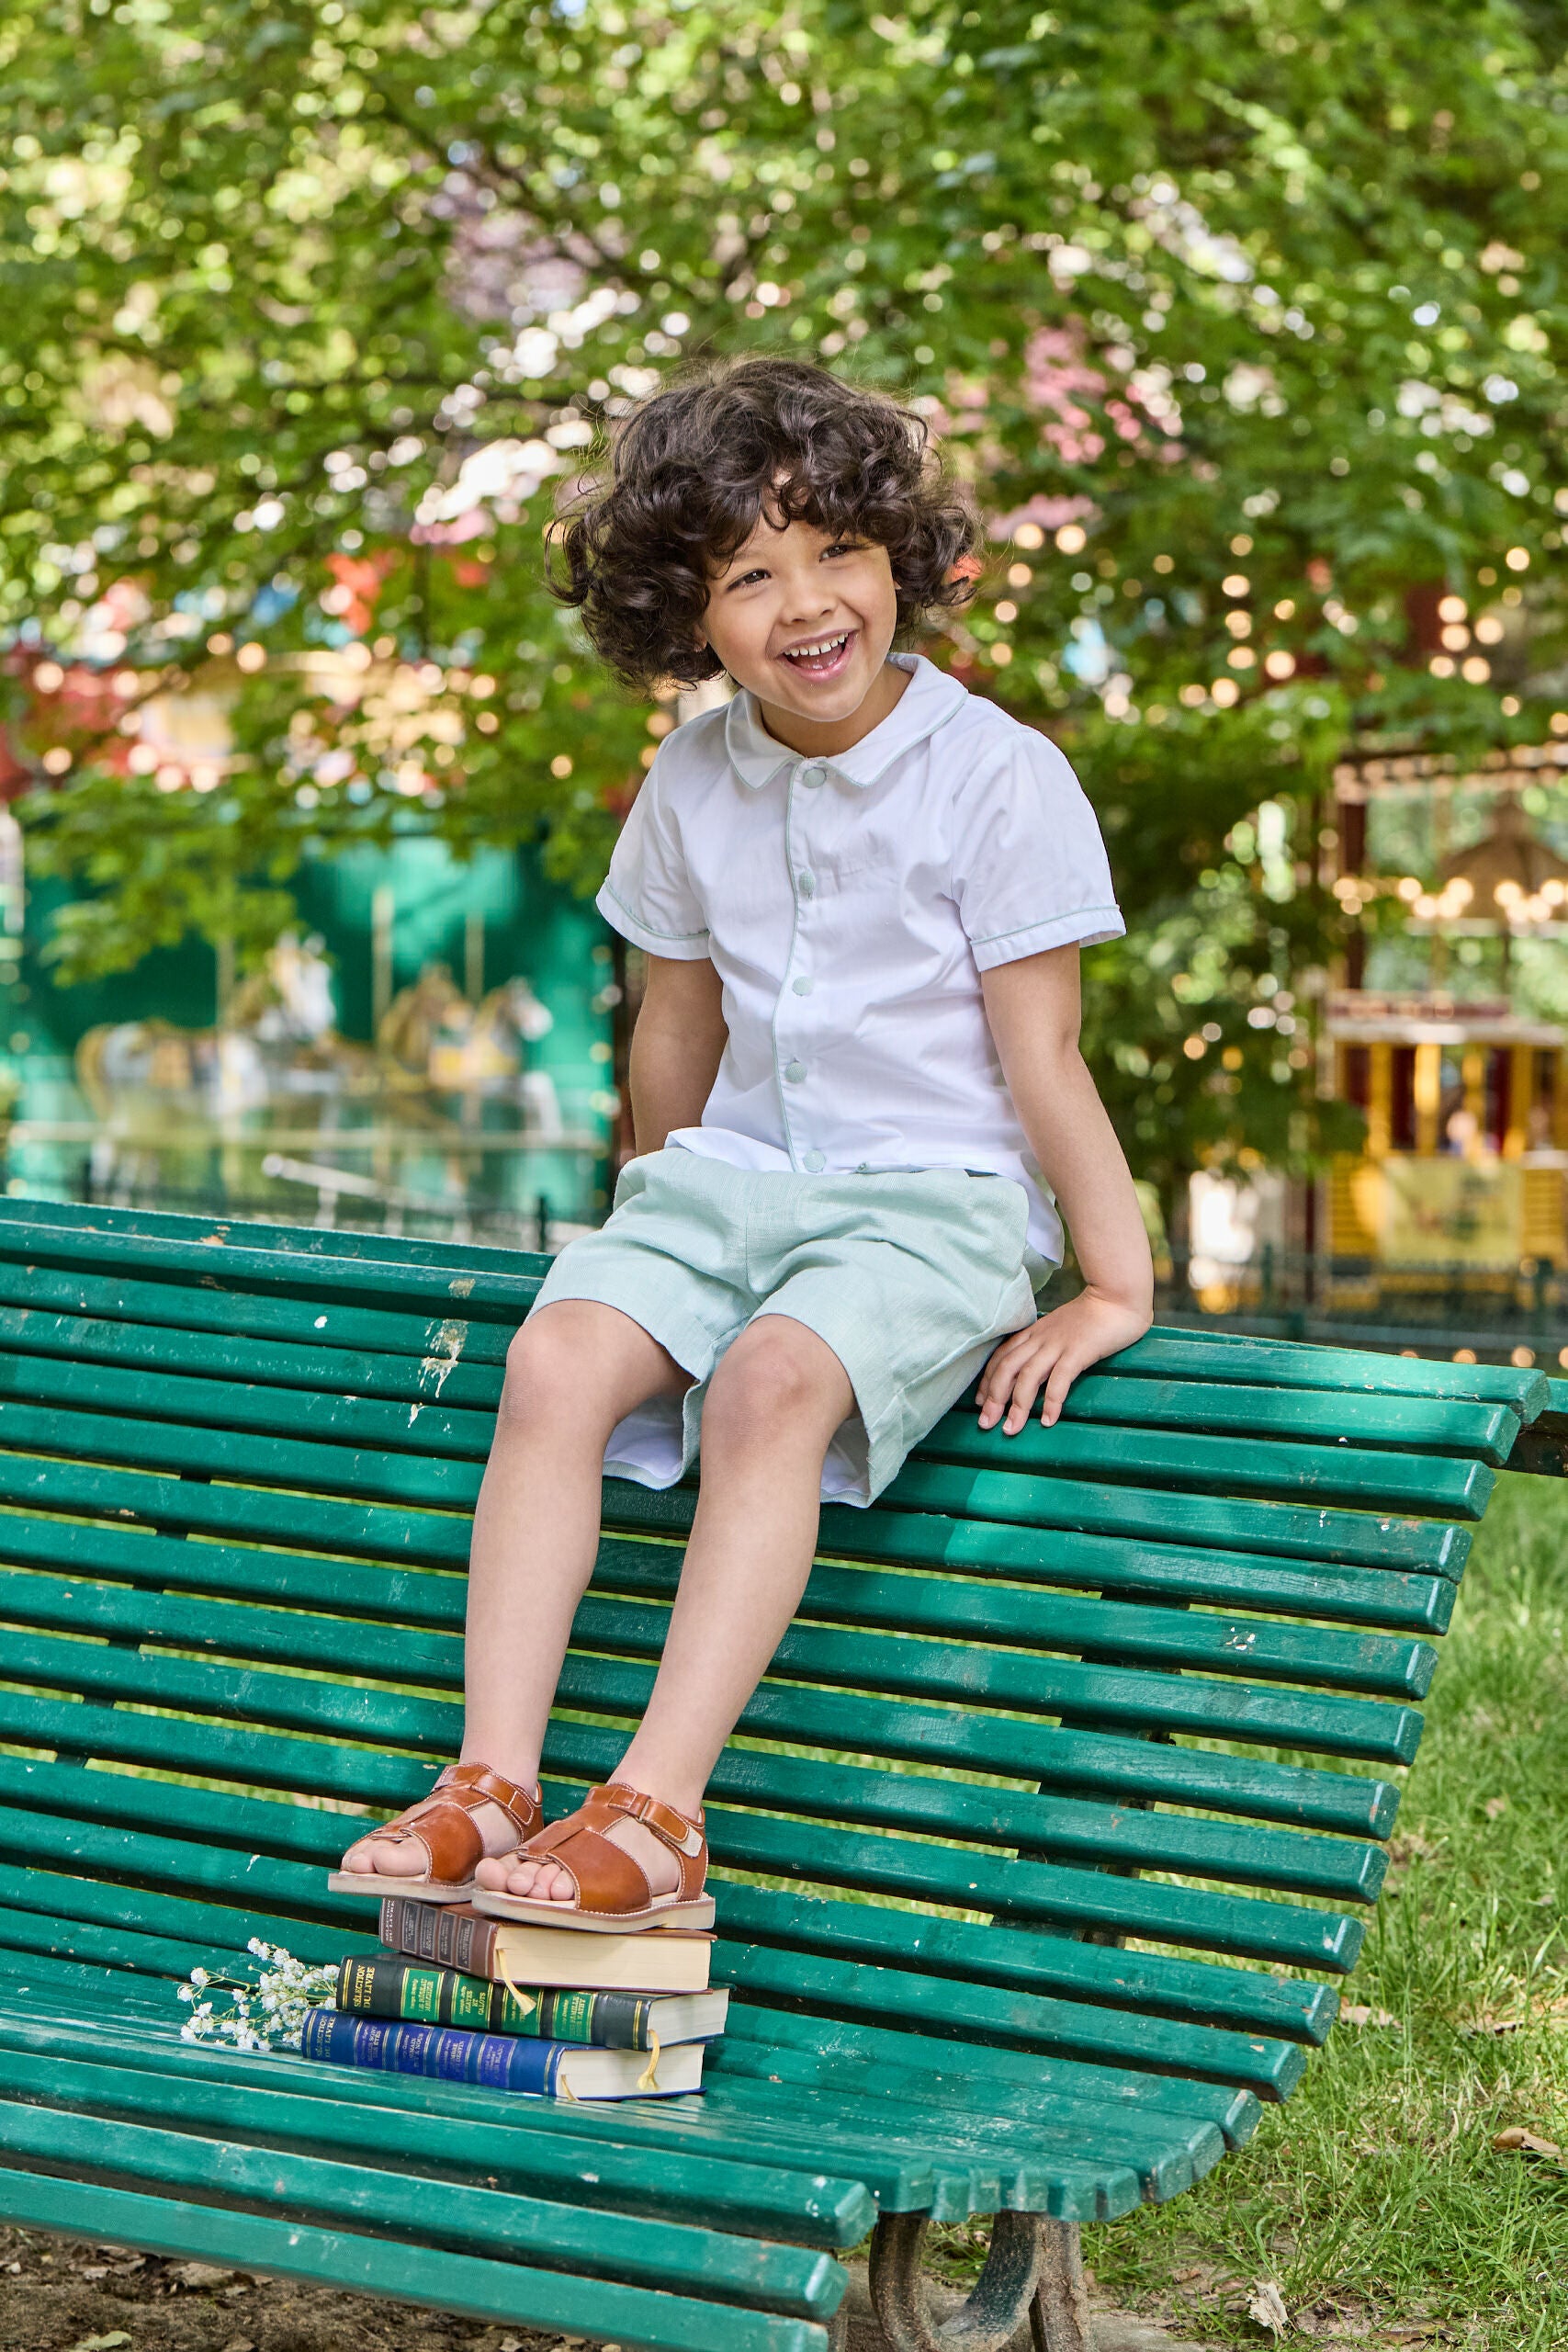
1058 1557
807 2207
67 2009
644 2252
121 1946
340 1257
988 1617
312 1244
605 1630
1343 1473
1036 2113
1381 1597
1340 1474
1165 1351
1052 1826
769 1928
1349 1537
1235 1355
1148 1982
89 1838
1323 1417
1068 2029
378 2266
950 1738
439 1374
1118 2097
1268 2067
398 1284
1357 1538
911 2134
384 1783
1359 1476
185 1307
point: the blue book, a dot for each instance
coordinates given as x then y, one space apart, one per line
501 2062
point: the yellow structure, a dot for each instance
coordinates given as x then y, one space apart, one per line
1466 1107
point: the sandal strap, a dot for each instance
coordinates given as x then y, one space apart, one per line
675 1828
444 1825
471 1785
609 1880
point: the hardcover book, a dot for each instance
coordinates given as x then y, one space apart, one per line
428 1996
501 2062
662 1960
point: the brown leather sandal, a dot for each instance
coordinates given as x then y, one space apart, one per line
613 1890
443 1823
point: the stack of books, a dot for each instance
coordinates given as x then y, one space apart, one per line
549 2011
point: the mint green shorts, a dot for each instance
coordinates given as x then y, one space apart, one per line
910 1277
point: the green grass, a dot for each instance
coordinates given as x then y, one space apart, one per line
1376 2196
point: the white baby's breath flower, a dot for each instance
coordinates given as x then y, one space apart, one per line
263 2015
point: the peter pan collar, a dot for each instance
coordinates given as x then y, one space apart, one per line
928 702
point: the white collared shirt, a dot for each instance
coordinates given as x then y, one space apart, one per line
850 906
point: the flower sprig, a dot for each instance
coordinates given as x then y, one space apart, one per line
263 2015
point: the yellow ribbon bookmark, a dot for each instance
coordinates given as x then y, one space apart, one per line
648 2078
524 2003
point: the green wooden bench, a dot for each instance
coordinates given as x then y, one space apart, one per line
1055 1713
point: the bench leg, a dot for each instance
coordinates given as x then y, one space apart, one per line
1059 2313
1033 2277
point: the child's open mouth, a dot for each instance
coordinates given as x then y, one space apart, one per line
824 657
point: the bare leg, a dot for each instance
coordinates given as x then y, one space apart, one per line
573 1371
776 1402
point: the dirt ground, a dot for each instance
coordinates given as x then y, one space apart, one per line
58 2296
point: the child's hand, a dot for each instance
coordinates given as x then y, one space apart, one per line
1054 1351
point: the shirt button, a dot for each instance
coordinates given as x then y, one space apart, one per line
806 882
813 775
802 986
815 1161
795 1072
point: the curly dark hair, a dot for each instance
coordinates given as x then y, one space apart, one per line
688 474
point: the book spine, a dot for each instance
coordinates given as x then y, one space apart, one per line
604 2020
436 1933
403 1989
497 2062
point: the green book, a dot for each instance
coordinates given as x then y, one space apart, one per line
409 1990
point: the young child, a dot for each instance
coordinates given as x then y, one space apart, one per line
857 1095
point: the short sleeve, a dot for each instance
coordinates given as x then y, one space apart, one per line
648 895
1028 867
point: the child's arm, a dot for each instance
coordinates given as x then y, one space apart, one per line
1034 1010
677 1045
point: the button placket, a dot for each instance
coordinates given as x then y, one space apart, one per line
804 883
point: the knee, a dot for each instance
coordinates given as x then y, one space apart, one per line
764 1389
545 1366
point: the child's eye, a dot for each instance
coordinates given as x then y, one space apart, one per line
843 547
746 579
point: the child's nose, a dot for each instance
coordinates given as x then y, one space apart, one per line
809 599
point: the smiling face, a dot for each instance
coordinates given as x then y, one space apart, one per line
806 621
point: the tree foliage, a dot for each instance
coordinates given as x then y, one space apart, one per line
1241 315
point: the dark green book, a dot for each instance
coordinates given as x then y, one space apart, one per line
409 1990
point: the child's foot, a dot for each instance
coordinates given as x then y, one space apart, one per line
542 1881
623 1858
432 1849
